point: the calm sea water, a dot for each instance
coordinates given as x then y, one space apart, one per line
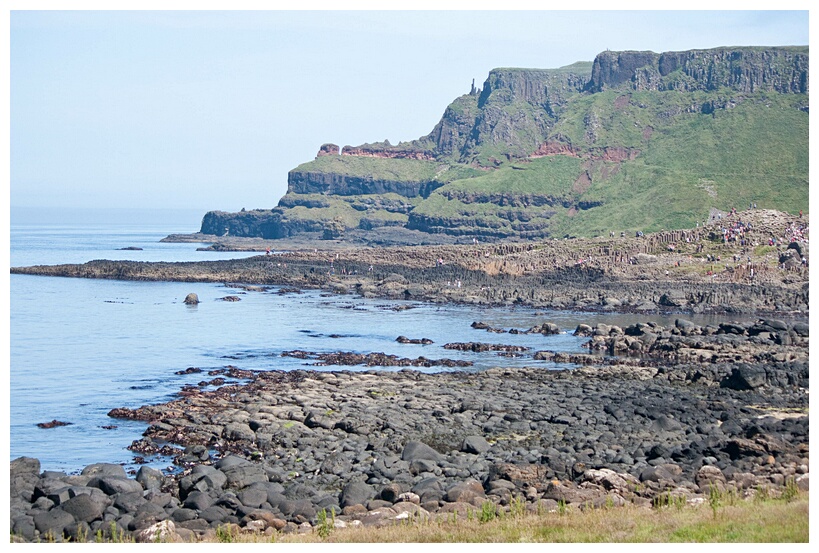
79 348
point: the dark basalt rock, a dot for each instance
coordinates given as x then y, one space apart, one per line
405 340
270 454
52 424
373 360
482 347
745 377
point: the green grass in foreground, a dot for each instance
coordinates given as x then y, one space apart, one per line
771 521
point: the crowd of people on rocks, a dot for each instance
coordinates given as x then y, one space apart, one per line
796 233
736 232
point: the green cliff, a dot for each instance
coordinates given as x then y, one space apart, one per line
633 141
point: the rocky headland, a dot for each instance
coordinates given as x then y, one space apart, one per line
625 142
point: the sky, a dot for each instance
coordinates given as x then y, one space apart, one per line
209 110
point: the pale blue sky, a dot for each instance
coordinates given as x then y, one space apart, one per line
210 110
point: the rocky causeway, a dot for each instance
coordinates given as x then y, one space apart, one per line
725 266
651 413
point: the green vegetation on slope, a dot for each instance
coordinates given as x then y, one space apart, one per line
543 176
338 211
349 210
392 169
752 152
631 159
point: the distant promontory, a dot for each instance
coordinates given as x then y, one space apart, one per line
633 141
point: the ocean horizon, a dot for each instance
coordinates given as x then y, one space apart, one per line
177 219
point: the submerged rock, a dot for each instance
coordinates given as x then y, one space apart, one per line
52 424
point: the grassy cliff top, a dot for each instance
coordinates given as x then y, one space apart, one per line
387 169
580 67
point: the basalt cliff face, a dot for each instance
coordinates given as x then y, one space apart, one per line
633 141
748 70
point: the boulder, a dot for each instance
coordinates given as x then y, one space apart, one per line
241 476
253 496
191 299
25 465
745 377
104 469
203 478
569 493
183 514
162 532
427 488
686 327
301 509
466 491
664 423
609 479
129 502
147 514
78 532
23 526
709 476
270 519
112 485
414 451
656 474
52 523
150 478
583 330
85 507
475 444
547 329
392 492
214 514
801 329
238 431
198 500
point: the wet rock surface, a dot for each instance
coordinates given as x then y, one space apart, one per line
52 424
372 359
690 408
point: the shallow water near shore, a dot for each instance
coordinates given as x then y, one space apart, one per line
80 348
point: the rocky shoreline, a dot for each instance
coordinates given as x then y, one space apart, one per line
703 270
674 413
650 414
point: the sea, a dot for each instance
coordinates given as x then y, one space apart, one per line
79 348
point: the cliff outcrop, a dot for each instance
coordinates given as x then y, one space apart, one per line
632 141
747 70
257 222
319 182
